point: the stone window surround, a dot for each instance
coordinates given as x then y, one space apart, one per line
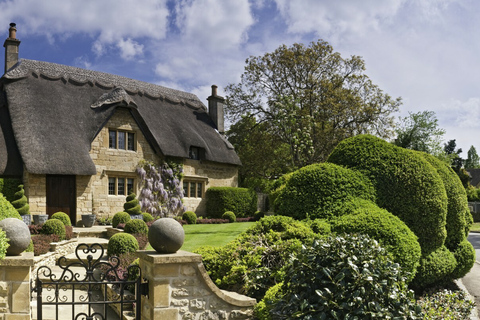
129 135
125 175
197 180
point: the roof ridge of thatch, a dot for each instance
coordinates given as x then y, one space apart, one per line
55 71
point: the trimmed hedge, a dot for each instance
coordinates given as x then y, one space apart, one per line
465 256
7 210
132 205
20 202
147 217
136 226
406 185
121 243
436 268
62 216
54 226
320 191
120 217
190 217
230 216
391 232
8 187
242 201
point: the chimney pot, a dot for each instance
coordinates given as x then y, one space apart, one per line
12 32
214 90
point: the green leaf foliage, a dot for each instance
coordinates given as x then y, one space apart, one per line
147 217
190 217
7 210
242 201
62 216
436 268
20 201
465 256
349 277
389 231
230 216
446 305
263 307
136 226
121 243
320 191
406 185
132 205
54 226
8 187
120 217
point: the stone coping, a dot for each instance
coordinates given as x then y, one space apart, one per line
23 260
165 258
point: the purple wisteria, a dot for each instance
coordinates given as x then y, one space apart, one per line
160 191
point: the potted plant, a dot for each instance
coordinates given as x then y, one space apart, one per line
88 220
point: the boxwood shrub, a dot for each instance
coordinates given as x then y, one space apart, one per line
136 226
230 216
54 226
20 202
3 244
391 232
7 210
406 185
320 190
436 268
121 243
464 254
132 205
62 216
147 217
120 217
190 217
242 201
8 187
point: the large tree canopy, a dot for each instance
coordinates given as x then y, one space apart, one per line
311 98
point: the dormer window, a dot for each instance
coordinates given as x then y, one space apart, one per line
119 139
194 153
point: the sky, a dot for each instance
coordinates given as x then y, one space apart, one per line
426 52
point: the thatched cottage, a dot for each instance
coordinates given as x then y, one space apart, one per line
75 136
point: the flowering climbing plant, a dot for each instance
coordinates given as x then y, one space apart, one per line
160 191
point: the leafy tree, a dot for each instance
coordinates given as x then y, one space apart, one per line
419 131
457 161
473 160
311 98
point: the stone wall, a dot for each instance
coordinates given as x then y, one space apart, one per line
57 250
36 192
180 288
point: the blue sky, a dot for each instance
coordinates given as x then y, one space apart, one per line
427 52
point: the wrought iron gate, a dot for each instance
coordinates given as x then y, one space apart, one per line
92 283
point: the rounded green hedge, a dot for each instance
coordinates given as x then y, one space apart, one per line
286 227
120 217
391 232
436 268
190 217
320 226
465 256
62 216
320 190
132 205
54 226
20 202
147 217
121 243
406 185
136 226
230 216
7 210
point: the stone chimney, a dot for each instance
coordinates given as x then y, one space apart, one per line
215 109
11 47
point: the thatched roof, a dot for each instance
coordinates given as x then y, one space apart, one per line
56 111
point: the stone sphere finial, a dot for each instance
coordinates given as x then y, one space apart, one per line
166 235
17 234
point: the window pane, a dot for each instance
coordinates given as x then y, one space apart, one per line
199 190
112 139
129 186
131 141
192 189
111 186
121 140
185 189
121 186
194 154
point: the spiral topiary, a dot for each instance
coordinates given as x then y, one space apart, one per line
20 202
62 216
7 210
190 217
54 226
136 226
230 216
120 217
121 243
132 205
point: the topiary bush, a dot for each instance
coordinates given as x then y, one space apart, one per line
20 202
391 232
3 244
7 210
349 277
120 217
132 205
147 217
62 216
54 226
436 268
121 243
320 190
190 217
242 201
8 187
230 216
464 254
136 226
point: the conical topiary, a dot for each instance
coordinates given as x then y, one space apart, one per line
20 202
132 206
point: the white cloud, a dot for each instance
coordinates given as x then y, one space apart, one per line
129 49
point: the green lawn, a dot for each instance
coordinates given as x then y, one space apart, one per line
197 235
475 227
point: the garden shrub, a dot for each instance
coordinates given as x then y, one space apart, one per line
319 191
136 226
30 247
20 202
473 194
464 254
349 277
147 217
7 210
406 185
436 268
142 239
62 216
41 243
8 187
454 305
68 232
230 216
190 217
3 244
258 215
263 308
54 226
277 187
242 201
121 243
319 226
120 217
285 227
391 232
132 205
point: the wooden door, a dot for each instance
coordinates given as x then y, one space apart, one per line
61 196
